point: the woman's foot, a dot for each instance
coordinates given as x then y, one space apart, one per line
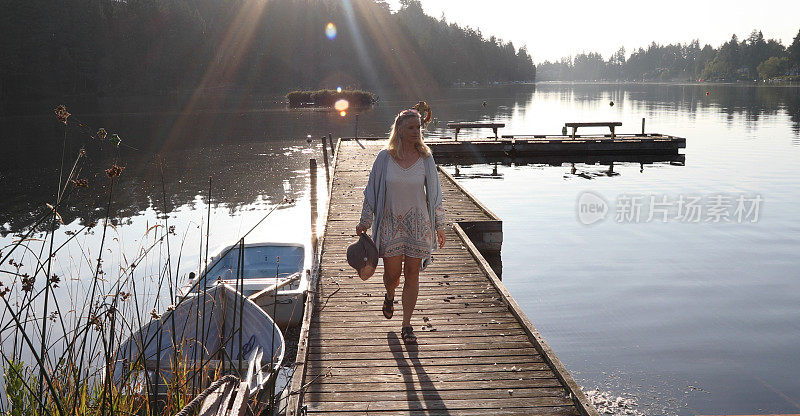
407 333
388 307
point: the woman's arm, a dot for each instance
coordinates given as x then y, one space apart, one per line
366 218
439 213
441 223
441 217
370 199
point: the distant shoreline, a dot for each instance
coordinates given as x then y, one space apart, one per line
688 83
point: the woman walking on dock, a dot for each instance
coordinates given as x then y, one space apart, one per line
403 205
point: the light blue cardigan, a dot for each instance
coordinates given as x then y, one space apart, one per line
375 194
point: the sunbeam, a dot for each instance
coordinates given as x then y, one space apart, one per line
396 53
224 65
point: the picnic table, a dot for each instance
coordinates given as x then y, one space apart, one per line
475 125
610 124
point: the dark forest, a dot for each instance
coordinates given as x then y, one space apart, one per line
161 47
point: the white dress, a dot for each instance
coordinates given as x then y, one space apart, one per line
406 227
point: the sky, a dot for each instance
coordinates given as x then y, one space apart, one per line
559 28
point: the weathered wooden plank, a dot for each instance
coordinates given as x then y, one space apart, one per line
422 361
424 337
472 380
543 411
428 338
374 354
384 405
405 393
423 348
358 319
513 371
437 323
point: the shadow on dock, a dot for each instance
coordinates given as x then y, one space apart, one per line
421 390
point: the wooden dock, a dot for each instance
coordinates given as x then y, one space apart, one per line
477 354
545 145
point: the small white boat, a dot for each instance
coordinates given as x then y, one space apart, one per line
212 329
274 275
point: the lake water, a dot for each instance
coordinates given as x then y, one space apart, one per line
698 314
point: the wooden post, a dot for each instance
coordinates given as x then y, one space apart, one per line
325 155
312 170
642 126
330 142
356 136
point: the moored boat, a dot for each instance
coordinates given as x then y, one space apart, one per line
213 330
274 275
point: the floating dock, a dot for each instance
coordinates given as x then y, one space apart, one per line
542 145
477 352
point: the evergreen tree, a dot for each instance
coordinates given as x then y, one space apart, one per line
794 52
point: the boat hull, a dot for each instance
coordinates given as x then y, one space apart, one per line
218 326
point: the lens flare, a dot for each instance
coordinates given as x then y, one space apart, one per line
338 89
330 31
343 113
341 105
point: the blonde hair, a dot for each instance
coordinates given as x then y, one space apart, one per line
395 144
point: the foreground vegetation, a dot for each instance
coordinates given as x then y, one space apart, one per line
67 301
752 58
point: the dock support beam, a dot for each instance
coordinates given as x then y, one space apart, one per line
312 171
325 156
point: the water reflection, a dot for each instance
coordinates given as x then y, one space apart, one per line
238 174
753 101
233 138
582 166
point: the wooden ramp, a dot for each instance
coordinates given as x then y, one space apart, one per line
477 352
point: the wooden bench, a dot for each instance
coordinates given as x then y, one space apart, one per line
610 124
465 125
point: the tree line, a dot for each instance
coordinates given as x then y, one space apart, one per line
106 47
754 58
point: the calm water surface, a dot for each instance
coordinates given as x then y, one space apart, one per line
686 317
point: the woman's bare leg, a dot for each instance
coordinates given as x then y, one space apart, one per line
392 268
410 287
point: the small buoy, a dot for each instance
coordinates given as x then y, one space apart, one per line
708 93
611 103
308 139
